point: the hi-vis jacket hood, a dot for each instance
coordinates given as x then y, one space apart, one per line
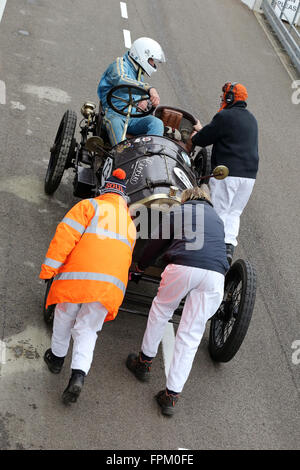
91 253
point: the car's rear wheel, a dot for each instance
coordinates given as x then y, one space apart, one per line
230 323
203 165
60 152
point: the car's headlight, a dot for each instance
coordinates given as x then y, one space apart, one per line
88 109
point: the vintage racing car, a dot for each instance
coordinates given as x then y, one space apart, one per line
158 169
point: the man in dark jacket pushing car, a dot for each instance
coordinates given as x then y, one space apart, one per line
196 256
233 133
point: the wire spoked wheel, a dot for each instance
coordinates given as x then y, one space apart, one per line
60 152
202 164
230 323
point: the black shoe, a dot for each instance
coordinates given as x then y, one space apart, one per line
53 362
74 387
229 252
167 402
141 369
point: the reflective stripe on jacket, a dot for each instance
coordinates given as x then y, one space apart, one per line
91 253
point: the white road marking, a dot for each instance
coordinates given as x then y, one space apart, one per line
2 352
2 92
2 6
127 38
168 342
48 93
124 13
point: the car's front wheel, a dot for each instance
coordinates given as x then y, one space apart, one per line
60 152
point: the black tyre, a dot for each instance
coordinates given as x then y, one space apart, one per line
203 165
230 323
48 312
61 151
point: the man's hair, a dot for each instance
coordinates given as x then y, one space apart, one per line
196 193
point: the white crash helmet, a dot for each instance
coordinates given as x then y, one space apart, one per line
142 50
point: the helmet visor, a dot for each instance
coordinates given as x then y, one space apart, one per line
153 63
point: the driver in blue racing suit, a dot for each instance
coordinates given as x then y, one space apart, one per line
128 70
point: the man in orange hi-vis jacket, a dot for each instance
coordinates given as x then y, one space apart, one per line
89 259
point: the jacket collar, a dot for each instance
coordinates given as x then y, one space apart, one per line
112 197
237 104
131 62
199 201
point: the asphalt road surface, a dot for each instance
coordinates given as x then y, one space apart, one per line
52 55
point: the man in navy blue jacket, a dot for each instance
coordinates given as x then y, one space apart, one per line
195 252
233 133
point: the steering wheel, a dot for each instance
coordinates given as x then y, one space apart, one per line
132 91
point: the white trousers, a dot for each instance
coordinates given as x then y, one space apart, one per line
229 198
204 290
82 322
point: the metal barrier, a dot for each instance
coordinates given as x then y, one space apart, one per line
287 33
